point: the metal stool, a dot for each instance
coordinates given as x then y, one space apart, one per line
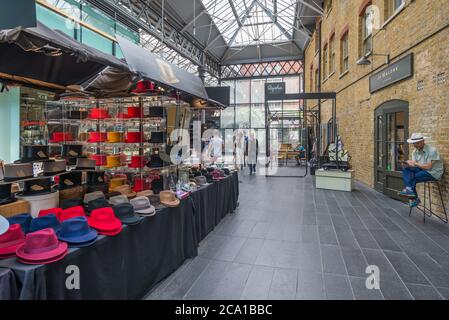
427 211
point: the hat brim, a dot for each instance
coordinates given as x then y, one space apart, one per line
11 249
135 219
21 194
82 244
44 261
91 235
4 225
44 256
7 201
112 232
174 203
147 211
102 227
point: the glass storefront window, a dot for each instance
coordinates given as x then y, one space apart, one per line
258 91
230 84
242 91
258 116
242 116
395 141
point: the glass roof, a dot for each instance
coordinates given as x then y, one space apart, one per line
253 22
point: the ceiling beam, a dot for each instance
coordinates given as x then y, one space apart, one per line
242 21
235 12
272 17
316 9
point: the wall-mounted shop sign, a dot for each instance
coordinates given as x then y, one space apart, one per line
275 88
396 72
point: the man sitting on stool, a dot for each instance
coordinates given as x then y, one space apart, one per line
426 165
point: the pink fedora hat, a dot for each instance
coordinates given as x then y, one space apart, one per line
41 247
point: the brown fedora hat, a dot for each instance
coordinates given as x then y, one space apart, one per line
168 198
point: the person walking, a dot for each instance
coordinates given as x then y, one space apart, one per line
252 150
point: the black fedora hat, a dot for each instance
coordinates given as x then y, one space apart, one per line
70 179
125 212
36 187
6 195
73 202
95 177
32 153
157 137
97 187
72 150
97 204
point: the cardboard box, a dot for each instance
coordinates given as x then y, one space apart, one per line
334 180
15 208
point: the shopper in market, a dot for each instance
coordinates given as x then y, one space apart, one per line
215 147
252 151
239 154
426 165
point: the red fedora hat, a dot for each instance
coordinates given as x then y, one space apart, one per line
144 86
77 211
105 221
41 247
97 136
138 162
11 240
134 112
140 185
100 159
99 113
55 211
134 137
58 136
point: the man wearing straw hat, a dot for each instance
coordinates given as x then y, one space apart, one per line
426 165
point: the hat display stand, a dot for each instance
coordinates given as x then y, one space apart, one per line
41 202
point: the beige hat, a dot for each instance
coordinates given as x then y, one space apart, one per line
168 198
145 193
126 190
416 137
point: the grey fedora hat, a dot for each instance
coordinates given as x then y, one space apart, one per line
120 199
142 205
92 196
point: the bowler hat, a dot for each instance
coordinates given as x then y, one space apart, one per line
77 233
41 247
72 212
48 221
4 225
125 212
11 240
105 221
73 202
142 205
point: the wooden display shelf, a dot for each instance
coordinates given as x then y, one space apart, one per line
14 208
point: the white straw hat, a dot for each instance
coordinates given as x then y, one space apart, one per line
416 137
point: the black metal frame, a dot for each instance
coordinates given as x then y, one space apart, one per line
301 96
427 211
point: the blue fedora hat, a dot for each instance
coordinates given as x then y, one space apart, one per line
77 233
24 219
48 221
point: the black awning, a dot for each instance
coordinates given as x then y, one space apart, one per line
51 56
152 67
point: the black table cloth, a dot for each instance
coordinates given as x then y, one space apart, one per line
128 265
8 285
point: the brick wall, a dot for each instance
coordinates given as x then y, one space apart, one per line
421 28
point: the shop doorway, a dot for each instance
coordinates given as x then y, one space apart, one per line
391 148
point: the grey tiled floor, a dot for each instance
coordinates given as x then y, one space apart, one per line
288 240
